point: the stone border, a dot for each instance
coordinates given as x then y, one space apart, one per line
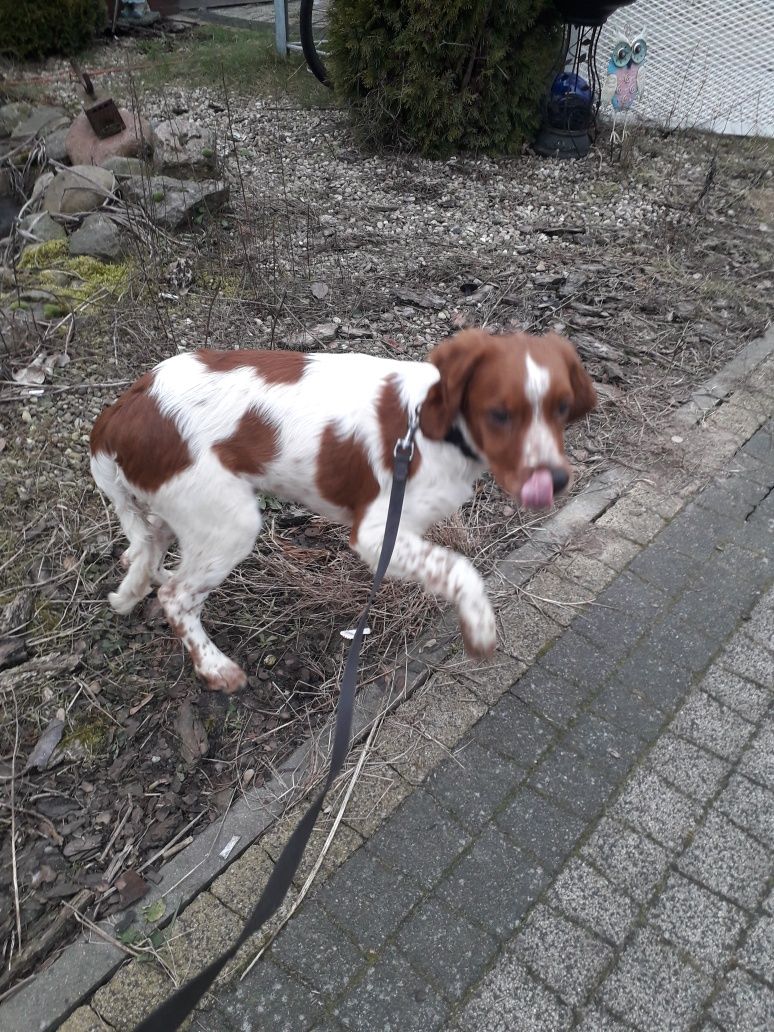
641 510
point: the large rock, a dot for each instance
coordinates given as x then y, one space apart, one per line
174 202
78 189
184 148
40 122
98 237
85 147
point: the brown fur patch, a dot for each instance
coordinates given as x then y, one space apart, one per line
271 366
146 444
393 423
251 447
344 475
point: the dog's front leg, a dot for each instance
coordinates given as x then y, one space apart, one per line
439 571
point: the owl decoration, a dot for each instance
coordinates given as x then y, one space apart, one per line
623 69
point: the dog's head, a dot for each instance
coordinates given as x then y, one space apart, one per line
514 395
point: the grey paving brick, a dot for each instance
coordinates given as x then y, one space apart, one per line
768 904
525 630
690 916
632 520
728 861
270 998
540 827
312 947
731 496
621 613
570 781
751 660
628 710
744 1004
477 885
368 899
392 997
473 783
576 659
653 988
607 547
697 532
509 999
668 569
653 806
420 840
584 570
561 954
557 699
758 762
746 467
627 858
583 894
713 726
691 769
512 730
658 680
760 626
749 805
761 446
757 954
701 606
451 952
604 744
594 1019
682 643
745 697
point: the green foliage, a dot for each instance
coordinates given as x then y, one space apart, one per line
35 28
443 77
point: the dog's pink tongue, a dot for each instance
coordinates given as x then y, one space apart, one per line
538 491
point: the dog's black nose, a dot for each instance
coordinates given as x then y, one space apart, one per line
560 478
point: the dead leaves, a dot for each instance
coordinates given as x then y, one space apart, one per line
193 738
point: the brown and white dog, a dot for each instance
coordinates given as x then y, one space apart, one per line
183 452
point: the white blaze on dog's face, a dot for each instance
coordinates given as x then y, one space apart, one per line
515 395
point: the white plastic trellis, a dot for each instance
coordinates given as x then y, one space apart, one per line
710 63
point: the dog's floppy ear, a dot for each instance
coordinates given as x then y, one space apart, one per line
456 358
584 395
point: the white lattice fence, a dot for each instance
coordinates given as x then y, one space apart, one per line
710 63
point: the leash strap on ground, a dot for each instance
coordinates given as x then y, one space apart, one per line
170 1014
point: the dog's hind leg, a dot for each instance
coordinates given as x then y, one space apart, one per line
214 535
139 558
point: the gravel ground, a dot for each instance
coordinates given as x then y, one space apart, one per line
657 265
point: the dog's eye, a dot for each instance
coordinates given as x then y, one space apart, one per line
563 409
500 416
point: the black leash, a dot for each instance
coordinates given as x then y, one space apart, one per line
170 1014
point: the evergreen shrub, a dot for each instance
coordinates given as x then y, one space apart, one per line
464 75
36 28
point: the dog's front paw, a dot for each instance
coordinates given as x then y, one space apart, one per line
226 677
479 629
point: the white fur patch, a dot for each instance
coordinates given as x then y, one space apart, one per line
540 447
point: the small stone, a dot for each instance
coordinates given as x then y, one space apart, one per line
42 228
81 188
98 237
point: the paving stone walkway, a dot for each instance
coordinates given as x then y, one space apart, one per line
598 851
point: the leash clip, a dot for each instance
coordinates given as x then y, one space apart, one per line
404 446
